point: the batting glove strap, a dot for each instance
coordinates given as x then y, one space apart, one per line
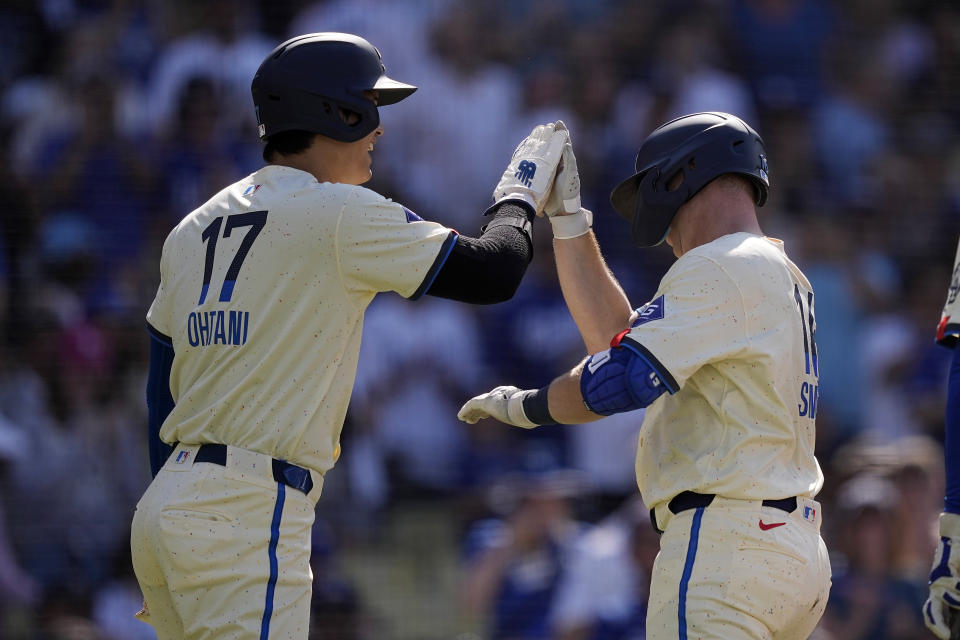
518 198
521 222
573 225
943 602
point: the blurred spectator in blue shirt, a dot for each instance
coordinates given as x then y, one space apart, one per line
513 564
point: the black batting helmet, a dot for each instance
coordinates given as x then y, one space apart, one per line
701 146
305 83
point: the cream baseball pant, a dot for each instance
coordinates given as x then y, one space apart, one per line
223 551
738 570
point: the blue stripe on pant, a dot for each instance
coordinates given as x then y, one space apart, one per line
272 553
687 570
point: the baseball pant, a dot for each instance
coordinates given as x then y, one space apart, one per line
738 570
224 551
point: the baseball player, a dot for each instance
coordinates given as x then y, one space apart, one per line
724 358
255 332
940 610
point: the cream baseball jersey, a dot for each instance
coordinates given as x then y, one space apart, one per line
262 293
948 329
731 333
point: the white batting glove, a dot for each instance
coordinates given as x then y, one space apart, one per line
567 217
564 198
529 176
501 403
943 604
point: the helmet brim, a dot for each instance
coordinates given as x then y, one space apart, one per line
392 91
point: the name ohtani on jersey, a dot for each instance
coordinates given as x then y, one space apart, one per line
221 326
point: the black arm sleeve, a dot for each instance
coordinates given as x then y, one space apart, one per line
488 269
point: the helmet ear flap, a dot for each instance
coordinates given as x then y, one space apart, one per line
655 207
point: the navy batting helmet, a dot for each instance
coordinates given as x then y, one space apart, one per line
700 146
309 81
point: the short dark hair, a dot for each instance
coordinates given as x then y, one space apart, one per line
287 143
738 181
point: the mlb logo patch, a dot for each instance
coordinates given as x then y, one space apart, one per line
182 457
252 189
809 513
653 310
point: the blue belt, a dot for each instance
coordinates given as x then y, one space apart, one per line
283 471
692 500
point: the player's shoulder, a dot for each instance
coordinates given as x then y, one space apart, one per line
363 197
740 245
728 262
742 254
705 260
188 222
282 186
303 188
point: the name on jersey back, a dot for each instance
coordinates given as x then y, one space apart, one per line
217 327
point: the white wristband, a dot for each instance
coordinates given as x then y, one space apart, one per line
515 411
573 225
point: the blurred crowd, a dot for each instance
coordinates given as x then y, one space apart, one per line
118 117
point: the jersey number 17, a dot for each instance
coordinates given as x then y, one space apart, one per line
256 220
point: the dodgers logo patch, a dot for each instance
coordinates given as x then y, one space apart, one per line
653 310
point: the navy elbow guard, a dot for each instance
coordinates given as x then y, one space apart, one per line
618 380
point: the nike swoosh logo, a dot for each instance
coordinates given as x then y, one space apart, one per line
767 527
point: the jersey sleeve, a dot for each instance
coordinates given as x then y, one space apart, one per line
159 316
948 329
696 318
383 246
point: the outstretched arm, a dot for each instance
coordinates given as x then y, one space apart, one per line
595 299
615 380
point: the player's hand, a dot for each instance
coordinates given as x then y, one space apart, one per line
943 604
502 403
529 176
564 198
563 209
